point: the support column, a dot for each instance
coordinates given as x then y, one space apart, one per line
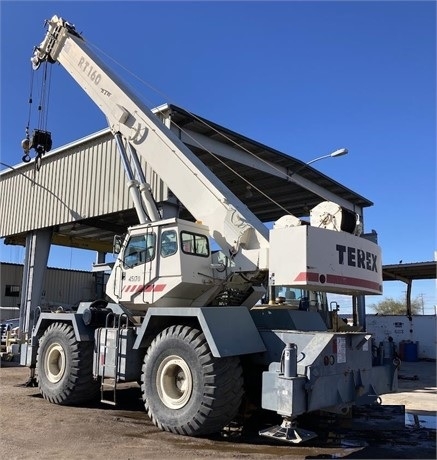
100 277
361 307
354 311
37 253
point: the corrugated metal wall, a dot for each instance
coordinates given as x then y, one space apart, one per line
65 288
60 288
80 180
10 275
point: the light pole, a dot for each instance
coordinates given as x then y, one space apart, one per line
336 153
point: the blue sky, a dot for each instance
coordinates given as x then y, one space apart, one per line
302 77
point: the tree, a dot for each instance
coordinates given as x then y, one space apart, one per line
390 306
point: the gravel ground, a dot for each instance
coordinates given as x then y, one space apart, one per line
32 428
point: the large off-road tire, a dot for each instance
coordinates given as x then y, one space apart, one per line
185 389
65 367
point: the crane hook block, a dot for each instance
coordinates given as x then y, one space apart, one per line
41 141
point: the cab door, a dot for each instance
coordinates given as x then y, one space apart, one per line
138 267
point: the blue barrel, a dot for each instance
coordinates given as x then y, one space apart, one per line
411 351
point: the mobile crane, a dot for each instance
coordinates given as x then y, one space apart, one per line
188 323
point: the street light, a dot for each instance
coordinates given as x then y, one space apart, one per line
336 153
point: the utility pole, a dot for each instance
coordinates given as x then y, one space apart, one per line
423 305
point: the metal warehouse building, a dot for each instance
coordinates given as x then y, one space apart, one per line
81 189
79 197
61 288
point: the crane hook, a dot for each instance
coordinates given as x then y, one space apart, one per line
25 144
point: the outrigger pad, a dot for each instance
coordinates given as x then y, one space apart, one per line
31 382
288 432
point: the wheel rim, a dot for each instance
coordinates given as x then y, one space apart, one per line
174 382
55 363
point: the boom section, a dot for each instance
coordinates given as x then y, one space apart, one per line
240 234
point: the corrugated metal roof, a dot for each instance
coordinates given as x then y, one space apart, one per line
410 271
81 187
76 184
297 201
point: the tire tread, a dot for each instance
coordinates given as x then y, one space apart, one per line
223 388
79 386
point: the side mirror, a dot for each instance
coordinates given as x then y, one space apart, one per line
117 244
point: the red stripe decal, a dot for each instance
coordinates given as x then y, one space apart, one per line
307 276
349 281
341 280
147 288
154 288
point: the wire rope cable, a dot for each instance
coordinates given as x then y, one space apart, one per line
203 122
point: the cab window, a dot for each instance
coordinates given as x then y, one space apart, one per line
169 243
139 250
194 244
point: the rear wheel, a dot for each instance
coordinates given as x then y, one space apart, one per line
64 366
185 389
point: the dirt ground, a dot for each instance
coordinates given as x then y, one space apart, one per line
32 428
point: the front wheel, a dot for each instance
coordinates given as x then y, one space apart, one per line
64 366
185 389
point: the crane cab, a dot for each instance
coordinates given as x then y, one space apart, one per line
165 263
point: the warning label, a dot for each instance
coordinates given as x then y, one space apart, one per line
341 349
